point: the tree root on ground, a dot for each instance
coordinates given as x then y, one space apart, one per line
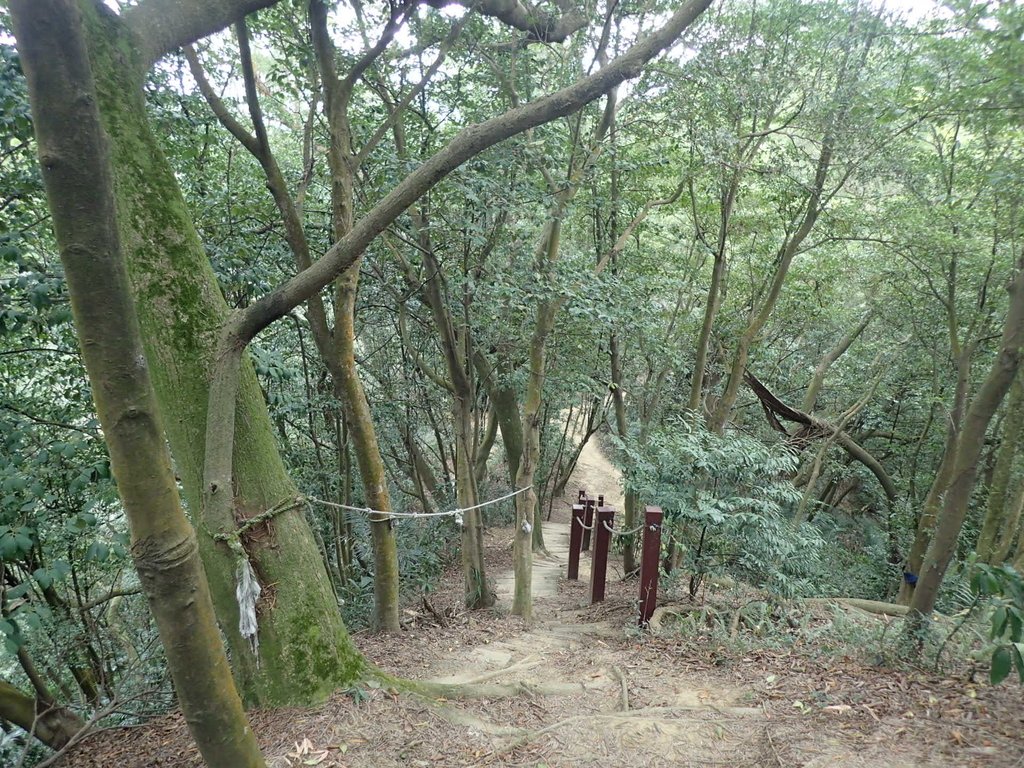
875 607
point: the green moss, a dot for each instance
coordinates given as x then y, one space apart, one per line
306 652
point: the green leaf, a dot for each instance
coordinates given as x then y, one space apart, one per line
1018 659
1001 661
97 552
43 577
999 619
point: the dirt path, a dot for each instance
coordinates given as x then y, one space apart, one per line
582 687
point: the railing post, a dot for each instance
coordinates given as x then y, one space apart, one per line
575 540
588 521
651 553
603 523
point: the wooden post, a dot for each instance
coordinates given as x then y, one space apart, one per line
575 541
602 543
588 521
651 552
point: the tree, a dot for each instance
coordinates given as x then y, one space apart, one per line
76 172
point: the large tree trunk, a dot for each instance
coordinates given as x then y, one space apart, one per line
969 446
73 152
304 650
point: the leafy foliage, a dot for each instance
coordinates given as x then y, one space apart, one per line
727 498
1003 587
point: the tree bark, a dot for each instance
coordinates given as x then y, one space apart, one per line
818 379
969 446
999 514
73 153
54 726
933 501
305 652
348 387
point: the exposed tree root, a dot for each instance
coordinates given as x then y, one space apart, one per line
656 624
619 675
875 607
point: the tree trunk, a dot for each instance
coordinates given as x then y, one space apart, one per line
629 564
371 465
337 94
526 503
812 208
478 591
73 152
969 446
1011 529
54 726
505 403
998 516
305 652
818 379
933 501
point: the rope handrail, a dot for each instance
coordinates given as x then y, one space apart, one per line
614 532
456 513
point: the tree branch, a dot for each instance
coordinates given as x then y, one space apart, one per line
547 28
468 143
162 26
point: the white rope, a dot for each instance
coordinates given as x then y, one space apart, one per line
584 526
613 532
456 513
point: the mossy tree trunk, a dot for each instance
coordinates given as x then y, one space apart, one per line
73 152
305 652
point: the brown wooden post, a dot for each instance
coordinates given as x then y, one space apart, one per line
651 552
575 541
588 521
583 496
603 523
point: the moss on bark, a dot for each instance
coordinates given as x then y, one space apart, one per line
304 648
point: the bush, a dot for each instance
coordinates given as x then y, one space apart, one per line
727 501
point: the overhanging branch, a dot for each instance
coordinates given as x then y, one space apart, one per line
468 143
162 26
813 428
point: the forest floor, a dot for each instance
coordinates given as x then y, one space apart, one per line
582 687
